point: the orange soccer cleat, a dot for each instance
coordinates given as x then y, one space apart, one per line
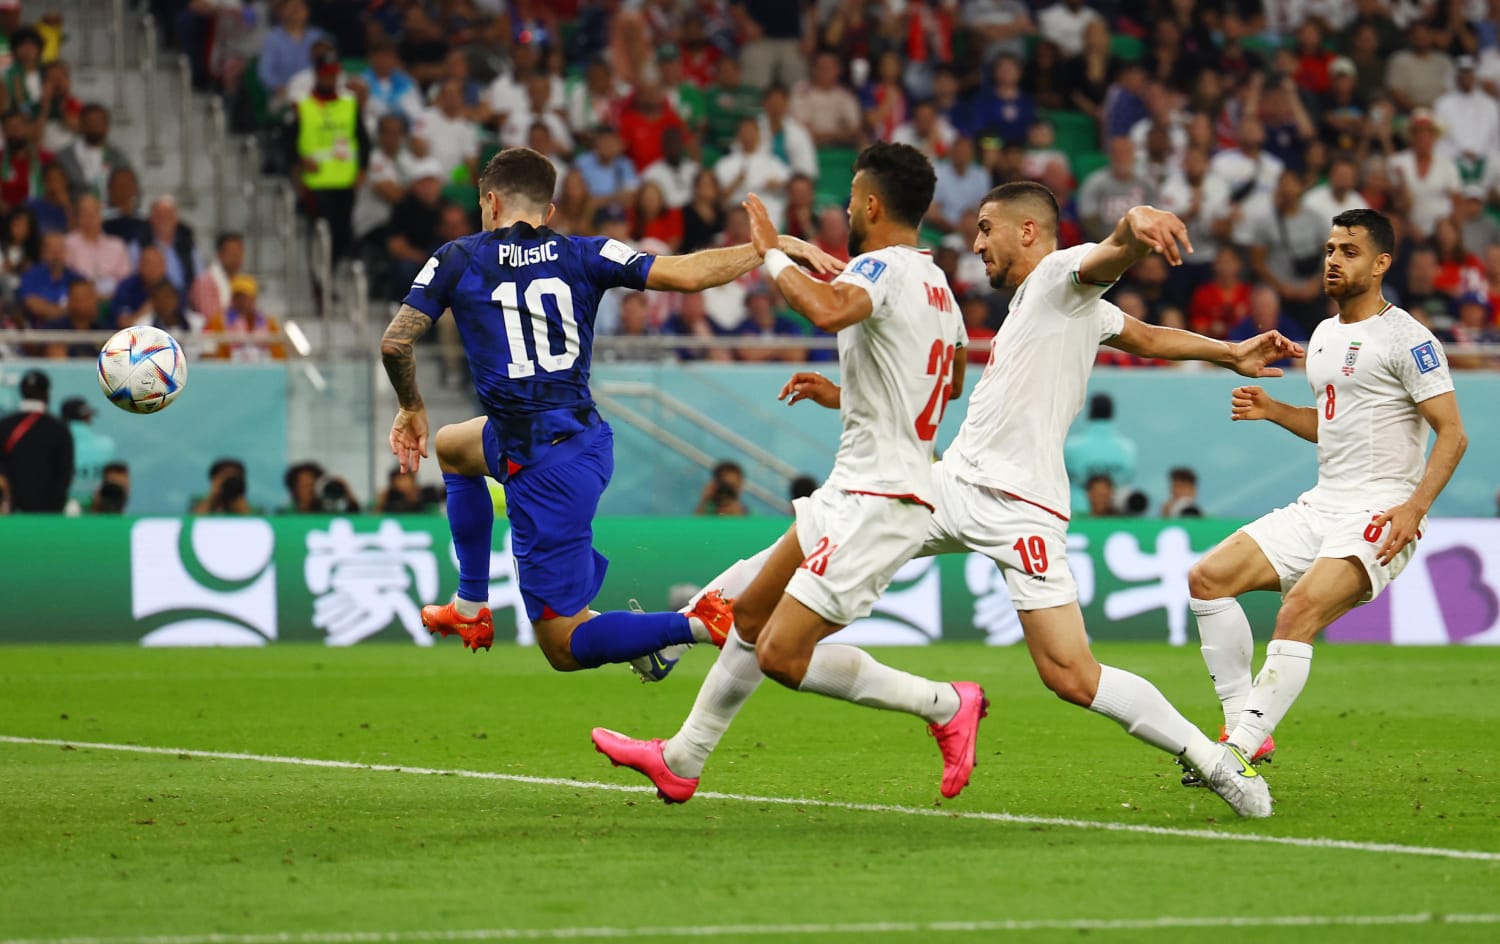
716 613
477 633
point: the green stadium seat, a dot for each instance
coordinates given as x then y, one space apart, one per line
1086 163
835 172
1127 48
354 66
1076 132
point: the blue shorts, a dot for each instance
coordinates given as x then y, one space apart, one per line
551 508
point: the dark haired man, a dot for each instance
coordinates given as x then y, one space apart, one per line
1001 487
524 299
1380 383
899 330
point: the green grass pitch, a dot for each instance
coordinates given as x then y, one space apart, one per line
1387 748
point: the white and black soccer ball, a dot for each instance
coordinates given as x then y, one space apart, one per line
142 369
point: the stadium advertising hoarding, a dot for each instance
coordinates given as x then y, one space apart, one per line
250 581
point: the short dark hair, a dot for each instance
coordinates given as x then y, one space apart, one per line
93 108
1182 473
226 238
1101 407
729 465
520 172
1026 191
35 385
1374 223
902 176
1098 477
221 464
115 466
295 470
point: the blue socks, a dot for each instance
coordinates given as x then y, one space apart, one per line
620 636
471 518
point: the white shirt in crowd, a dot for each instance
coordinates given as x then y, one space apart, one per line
1213 205
740 173
1470 122
1327 204
1064 28
676 183
1432 194
451 141
801 153
1234 167
1034 384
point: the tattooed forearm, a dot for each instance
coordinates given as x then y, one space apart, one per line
399 357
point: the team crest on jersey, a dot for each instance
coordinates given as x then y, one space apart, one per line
1426 356
870 268
1350 356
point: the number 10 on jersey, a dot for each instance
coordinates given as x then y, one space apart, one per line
538 325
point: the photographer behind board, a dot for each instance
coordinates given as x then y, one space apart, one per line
721 496
313 492
226 490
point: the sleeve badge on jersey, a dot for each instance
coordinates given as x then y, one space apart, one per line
1427 358
424 278
869 268
617 252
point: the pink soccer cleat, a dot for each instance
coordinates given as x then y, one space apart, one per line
959 738
645 757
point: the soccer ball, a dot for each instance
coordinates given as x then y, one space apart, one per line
142 369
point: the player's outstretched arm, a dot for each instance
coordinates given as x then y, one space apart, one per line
1140 232
830 306
397 351
1441 412
1253 403
809 385
1248 358
710 267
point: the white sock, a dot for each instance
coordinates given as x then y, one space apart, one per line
730 683
1146 714
1277 686
1224 631
468 609
852 674
732 582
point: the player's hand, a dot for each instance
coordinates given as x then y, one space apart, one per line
1400 525
409 438
811 257
1251 356
1161 231
1250 403
762 231
806 385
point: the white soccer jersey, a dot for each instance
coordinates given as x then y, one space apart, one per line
1368 378
896 368
1034 384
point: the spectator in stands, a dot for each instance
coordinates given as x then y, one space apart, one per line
774 49
210 291
242 315
81 313
1247 169
750 169
833 232
610 175
1109 192
23 77
703 217
1099 448
21 162
386 88
97 256
114 490
762 321
801 213
1099 497
1459 270
1219 305
1420 290
132 294
674 172
829 111
330 150
176 241
476 103
573 212
121 218
1470 119
1182 494
1492 274
44 287
692 321
884 99
730 100
21 243
58 111
444 133
1063 24
402 496
302 82
1088 76
1200 200
163 309
1339 192
1284 242
643 121
90 160
287 49
386 178
1163 112
1289 128
226 490
721 496
961 184
683 96
1005 112
1266 315
1155 161
36 450
423 45
927 131
414 225
53 208
1002 26
1425 179
1474 325
1477 229
651 218
786 137
536 109
976 312
539 139
595 99
1043 78
1124 103
1341 113
1418 74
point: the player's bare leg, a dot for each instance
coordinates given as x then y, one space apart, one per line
1059 646
1330 588
471 518
1235 567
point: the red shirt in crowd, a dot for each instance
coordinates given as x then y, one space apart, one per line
642 133
1215 309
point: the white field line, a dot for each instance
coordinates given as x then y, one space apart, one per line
1014 818
789 930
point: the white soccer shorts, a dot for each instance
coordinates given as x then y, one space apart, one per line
853 546
1294 536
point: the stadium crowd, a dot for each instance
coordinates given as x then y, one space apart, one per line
1254 121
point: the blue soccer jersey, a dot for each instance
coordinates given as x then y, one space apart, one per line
524 300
